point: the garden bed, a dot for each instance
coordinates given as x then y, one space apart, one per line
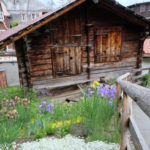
30 115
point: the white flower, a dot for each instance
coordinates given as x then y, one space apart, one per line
67 143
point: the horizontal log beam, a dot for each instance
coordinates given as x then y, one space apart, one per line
139 94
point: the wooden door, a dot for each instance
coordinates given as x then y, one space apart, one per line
66 61
108 43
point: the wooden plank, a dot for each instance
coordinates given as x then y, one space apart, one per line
3 79
39 52
38 57
78 59
41 73
72 61
60 60
62 82
38 78
118 101
40 62
113 45
66 59
140 128
126 112
40 67
40 23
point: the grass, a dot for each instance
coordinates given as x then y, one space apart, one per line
95 115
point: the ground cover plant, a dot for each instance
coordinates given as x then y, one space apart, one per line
30 114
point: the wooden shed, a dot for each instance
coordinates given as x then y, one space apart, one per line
81 41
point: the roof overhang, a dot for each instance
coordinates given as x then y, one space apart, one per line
13 34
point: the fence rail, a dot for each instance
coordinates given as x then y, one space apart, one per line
135 111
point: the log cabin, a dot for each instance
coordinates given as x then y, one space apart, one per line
78 42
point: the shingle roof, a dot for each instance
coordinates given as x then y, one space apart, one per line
20 28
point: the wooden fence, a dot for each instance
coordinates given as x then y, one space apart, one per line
134 107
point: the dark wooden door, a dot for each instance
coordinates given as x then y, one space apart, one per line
66 61
108 43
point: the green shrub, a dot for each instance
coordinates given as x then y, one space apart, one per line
145 80
63 130
14 23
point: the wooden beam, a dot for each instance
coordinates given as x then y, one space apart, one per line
139 94
126 110
139 126
39 24
122 14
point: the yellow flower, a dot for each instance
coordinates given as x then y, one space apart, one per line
57 124
33 120
78 120
95 84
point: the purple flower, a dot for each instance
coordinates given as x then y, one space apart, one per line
39 97
110 103
87 95
6 94
43 103
38 91
50 108
40 106
91 93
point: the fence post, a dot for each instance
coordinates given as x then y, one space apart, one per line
118 101
126 112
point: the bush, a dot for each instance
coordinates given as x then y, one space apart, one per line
14 23
145 80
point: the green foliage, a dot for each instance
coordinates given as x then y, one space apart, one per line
39 135
9 131
98 118
49 130
145 80
63 130
99 121
14 23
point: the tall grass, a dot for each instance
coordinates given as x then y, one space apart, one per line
99 115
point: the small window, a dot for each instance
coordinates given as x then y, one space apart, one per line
23 16
1 16
108 43
33 16
142 8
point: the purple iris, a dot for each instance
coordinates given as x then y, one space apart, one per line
110 103
50 108
43 103
46 108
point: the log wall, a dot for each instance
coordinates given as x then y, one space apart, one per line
63 51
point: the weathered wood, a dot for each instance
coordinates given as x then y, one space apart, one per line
139 127
118 101
43 22
126 112
67 47
3 79
138 94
